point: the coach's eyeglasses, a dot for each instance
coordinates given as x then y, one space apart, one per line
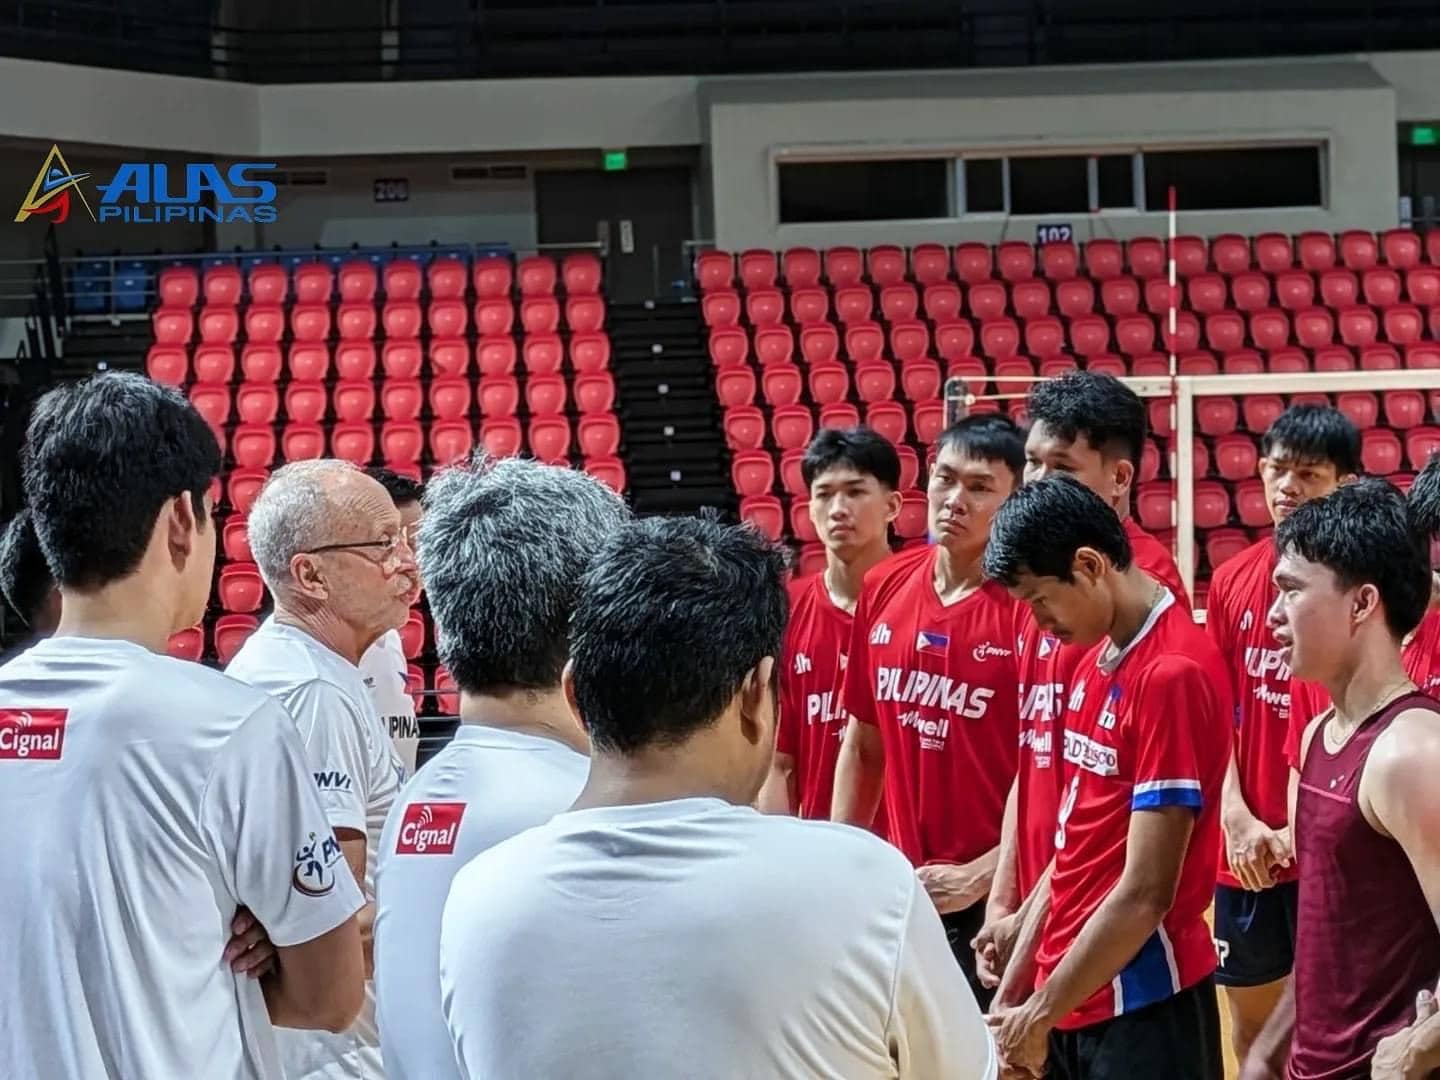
389 548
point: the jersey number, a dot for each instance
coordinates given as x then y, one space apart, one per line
1066 809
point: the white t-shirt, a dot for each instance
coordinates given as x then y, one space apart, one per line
699 939
384 670
145 799
358 775
487 785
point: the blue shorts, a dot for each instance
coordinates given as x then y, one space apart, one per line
1255 933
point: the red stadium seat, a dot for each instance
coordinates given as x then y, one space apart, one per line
253 446
500 436
1380 451
1153 505
792 477
1358 250
728 347
752 472
988 300
221 325
1225 331
1222 545
1432 246
1106 364
713 270
1358 326
581 272
1146 257
536 275
1314 327
302 442
819 343
599 435
1030 299
545 395
1149 462
595 392
1251 292
167 364
1379 358
187 644
257 403
450 396
1360 407
744 428
758 268
353 400
1191 256
853 304
1250 504
306 402
356 321
308 361
447 318
798 514
541 314
1120 296
231 632
212 403
864 341
919 380
590 352
874 381
499 395
801 267
1317 251
1044 337
1339 289
1011 375
974 263
401 318
1405 409
1103 259
889 419
999 337
1158 296
1059 260
1269 329
886 265
792 426
1212 504
449 356
1404 325
829 383
1334 358
1422 285
718 308
1015 260
1198 362
763 307
809 305
401 399
843 267
353 441
941 302
357 282
841 415
1273 252
222 286
913 520
1380 287
1425 354
1090 334
1134 334
235 541
1236 457
954 339
402 280
610 471
1216 416
1052 367
401 440
268 284
399 359
1207 293
909 467
909 340
1295 290
544 353
446 278
1420 444
774 345
971 370
412 635
451 441
178 287
1230 253
1401 247
240 588
898 303
930 263
1187 332
1076 297
765 513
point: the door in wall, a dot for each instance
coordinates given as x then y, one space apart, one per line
641 216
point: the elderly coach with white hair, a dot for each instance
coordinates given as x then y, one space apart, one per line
503 546
330 545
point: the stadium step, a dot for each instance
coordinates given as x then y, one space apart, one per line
674 447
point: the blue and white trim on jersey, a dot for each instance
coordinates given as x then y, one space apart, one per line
1152 976
1153 794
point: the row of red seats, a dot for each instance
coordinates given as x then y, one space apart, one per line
449 397
1294 290
548 438
1144 257
1270 330
357 321
543 353
314 282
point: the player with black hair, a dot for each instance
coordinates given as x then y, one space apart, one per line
853 477
25 583
930 687
1305 454
1124 960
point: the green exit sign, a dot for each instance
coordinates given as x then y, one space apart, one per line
616 160
1425 135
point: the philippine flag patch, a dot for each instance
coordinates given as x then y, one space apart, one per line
930 642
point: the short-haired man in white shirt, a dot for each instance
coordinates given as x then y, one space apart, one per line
662 927
384 667
502 548
329 544
149 801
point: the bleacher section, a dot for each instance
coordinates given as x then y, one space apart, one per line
381 361
807 339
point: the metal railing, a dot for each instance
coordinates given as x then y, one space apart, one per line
508 38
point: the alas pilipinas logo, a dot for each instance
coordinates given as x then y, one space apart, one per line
314 873
151 193
32 734
429 828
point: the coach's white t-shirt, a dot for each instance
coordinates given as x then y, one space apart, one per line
485 787
383 667
358 775
699 939
144 800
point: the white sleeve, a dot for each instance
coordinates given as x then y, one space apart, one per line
337 749
936 1028
263 821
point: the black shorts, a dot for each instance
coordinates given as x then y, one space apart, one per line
1174 1039
961 928
1255 933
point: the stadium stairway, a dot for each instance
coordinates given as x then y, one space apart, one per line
675 454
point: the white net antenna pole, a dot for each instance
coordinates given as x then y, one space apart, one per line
1182 423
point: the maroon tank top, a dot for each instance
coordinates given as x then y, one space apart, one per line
1366 941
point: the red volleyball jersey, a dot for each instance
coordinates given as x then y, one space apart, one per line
1045 666
1148 728
939 682
1241 594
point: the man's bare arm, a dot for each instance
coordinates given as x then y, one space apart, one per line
352 845
1005 887
859 775
319 984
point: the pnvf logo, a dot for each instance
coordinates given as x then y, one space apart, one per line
151 193
429 828
32 734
